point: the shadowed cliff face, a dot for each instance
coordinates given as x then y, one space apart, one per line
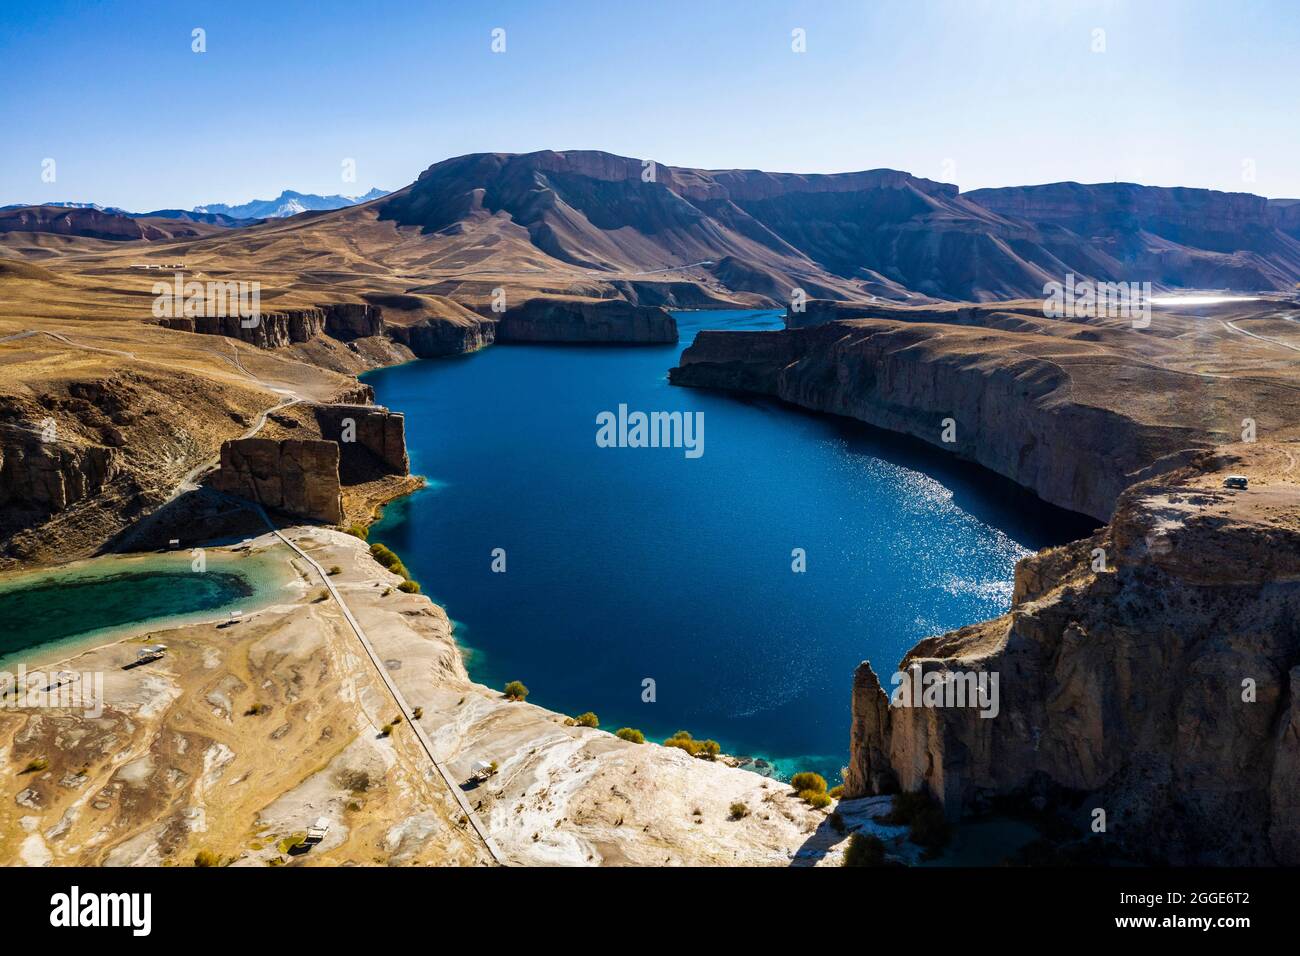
1192 238
1012 412
300 477
1163 690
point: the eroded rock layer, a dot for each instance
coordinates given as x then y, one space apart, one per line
1161 690
300 477
985 399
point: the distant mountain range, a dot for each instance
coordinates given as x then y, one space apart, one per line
881 232
591 223
288 203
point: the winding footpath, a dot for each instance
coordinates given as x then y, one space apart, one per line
408 714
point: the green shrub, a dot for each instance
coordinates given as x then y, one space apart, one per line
516 690
587 720
837 791
256 710
386 730
705 749
739 811
815 799
335 569
630 733
359 531
36 765
864 849
384 555
417 713
808 781
206 858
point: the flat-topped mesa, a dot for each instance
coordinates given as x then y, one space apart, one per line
297 476
1126 205
585 320
1164 690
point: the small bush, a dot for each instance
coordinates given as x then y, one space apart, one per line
256 710
396 720
864 850
836 791
359 531
739 811
516 690
36 765
808 781
587 720
816 799
417 713
386 730
631 734
385 556
205 858
321 595
704 749
335 569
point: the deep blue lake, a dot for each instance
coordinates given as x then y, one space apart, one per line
631 563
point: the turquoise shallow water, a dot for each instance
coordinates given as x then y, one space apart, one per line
627 564
46 614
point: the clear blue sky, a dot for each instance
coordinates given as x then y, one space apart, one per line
976 92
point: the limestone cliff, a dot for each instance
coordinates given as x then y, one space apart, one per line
1163 690
1018 415
437 337
372 428
51 475
585 320
270 329
300 477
